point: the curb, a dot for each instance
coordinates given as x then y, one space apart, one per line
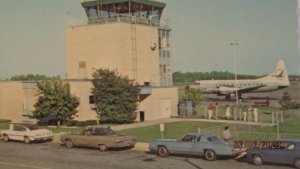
140 146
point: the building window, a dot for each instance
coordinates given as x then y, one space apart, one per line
81 64
92 99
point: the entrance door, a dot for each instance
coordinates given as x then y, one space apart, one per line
165 108
142 116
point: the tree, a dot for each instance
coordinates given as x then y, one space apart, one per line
55 100
287 103
33 77
194 95
116 96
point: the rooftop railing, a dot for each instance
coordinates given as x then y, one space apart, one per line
149 0
154 21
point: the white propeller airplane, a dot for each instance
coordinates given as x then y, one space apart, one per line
275 81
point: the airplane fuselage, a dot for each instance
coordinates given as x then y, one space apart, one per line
228 86
272 82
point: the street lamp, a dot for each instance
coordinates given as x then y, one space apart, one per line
234 45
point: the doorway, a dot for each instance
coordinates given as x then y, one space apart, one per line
142 116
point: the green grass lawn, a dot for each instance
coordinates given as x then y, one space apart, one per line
4 126
63 129
176 130
172 130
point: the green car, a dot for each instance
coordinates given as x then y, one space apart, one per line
99 137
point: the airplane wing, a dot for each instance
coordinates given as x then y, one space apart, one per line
232 89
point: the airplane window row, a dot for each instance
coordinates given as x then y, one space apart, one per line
243 84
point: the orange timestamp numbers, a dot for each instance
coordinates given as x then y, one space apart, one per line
253 144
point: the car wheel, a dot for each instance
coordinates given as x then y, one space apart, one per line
257 160
102 147
163 151
297 163
68 143
26 140
210 155
5 138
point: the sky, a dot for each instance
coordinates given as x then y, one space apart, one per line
33 38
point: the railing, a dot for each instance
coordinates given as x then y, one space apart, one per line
150 0
273 118
154 21
250 133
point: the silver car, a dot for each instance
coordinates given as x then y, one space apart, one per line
207 145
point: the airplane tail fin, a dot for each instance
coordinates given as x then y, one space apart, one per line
280 75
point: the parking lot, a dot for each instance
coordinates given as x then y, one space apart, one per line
17 155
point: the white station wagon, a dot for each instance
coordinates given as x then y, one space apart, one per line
26 133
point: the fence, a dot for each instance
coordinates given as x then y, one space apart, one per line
251 132
264 116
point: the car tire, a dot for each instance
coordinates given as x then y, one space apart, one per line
102 147
257 160
162 151
297 163
5 138
210 155
26 140
68 143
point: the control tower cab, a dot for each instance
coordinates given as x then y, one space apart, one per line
141 11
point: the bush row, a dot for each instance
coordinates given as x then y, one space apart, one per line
5 121
76 123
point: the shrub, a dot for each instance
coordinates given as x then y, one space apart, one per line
5 121
71 123
91 122
81 124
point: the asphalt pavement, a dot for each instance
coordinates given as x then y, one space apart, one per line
17 155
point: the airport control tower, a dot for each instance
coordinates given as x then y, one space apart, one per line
127 35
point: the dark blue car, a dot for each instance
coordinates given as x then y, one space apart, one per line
287 152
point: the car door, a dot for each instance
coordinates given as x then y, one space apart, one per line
276 155
200 145
185 145
18 133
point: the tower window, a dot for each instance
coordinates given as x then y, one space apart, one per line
81 64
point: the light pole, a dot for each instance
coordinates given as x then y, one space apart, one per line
234 45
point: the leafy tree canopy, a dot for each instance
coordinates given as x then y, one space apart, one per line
194 95
192 76
287 103
116 96
55 100
33 77
217 75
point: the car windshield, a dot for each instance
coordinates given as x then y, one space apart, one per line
99 131
32 127
188 138
214 139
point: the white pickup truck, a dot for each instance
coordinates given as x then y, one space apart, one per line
26 133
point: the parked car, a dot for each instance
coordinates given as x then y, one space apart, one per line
194 144
26 132
288 152
99 137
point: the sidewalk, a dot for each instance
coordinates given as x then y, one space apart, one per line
156 122
146 123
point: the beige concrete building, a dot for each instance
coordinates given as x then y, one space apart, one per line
126 35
